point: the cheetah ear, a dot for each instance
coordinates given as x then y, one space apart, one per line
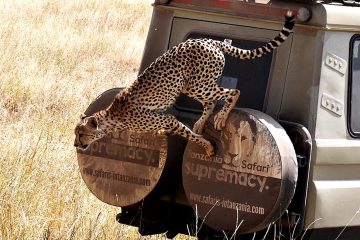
92 122
121 96
82 116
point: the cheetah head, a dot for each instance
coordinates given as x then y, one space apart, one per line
86 132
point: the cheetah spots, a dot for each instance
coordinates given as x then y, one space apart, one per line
209 149
192 67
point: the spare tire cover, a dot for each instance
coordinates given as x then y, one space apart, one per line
124 167
251 178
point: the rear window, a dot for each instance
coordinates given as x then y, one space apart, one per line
250 77
354 87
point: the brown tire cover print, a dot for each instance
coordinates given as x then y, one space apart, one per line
252 177
123 168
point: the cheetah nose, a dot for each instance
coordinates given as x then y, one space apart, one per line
76 145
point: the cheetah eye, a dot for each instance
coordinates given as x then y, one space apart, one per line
93 122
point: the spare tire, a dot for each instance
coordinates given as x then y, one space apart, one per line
250 180
122 168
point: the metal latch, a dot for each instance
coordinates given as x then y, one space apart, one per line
336 63
332 104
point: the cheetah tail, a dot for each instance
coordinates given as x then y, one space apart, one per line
268 47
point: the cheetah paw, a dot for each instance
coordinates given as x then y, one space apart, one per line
209 149
162 132
198 127
220 120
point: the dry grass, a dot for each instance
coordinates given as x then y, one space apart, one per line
55 58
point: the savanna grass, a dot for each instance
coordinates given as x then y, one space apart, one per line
55 58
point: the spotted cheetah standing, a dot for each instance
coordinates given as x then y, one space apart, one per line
193 68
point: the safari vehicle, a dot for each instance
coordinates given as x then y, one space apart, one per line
309 87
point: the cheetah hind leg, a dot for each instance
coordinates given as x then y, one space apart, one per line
230 96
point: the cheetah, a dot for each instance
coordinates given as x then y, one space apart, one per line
193 68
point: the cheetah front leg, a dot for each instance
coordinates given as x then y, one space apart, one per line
168 125
184 131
